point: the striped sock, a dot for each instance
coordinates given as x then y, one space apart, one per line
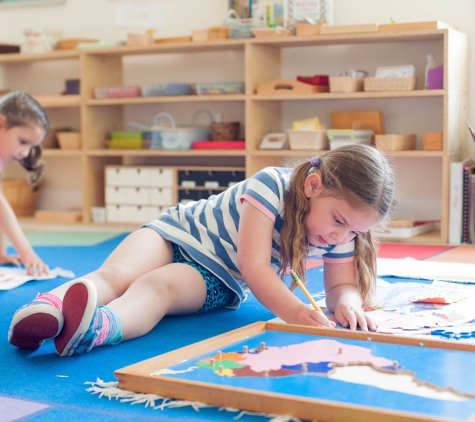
111 331
50 299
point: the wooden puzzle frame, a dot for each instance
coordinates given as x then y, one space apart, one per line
139 378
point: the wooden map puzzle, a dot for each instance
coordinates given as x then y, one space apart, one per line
316 374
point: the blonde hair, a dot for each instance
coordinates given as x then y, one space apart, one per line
21 109
360 175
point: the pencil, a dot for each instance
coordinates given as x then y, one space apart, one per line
304 289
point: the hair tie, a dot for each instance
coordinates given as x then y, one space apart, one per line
314 162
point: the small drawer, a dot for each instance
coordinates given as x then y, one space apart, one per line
127 195
161 196
127 176
138 213
117 213
160 177
115 195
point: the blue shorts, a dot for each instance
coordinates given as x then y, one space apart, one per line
217 293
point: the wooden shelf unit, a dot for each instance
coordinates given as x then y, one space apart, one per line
263 60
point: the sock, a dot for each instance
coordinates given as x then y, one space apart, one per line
50 299
111 331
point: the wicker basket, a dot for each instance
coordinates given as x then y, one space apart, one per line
390 84
308 139
270 32
218 33
225 131
395 142
21 195
69 140
345 84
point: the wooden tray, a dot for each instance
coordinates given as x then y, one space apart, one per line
288 86
369 120
300 373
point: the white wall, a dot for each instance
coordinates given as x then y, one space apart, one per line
95 19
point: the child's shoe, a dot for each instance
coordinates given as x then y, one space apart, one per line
35 322
82 319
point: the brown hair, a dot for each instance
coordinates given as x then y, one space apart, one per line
360 175
21 109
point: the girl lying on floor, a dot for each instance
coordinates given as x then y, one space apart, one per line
207 254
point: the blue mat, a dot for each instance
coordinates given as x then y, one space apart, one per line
42 386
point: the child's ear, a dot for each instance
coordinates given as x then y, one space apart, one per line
313 183
3 121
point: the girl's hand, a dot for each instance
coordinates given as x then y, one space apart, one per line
307 315
10 259
33 264
351 316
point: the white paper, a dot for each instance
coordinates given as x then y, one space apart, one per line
146 16
426 270
11 277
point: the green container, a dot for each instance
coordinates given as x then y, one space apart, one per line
123 134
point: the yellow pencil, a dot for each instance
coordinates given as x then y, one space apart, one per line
304 289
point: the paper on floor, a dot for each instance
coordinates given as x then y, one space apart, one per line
11 277
426 270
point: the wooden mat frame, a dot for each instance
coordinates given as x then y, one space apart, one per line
138 378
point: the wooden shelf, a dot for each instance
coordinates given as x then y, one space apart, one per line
50 101
164 99
350 95
433 237
165 153
58 152
54 55
262 60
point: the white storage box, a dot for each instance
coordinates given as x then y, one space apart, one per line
127 195
127 176
307 139
342 137
117 213
161 196
161 177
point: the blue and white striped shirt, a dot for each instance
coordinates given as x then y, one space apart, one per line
207 230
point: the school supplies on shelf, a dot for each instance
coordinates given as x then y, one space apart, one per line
342 137
311 124
117 91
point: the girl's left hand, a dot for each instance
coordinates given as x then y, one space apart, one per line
351 317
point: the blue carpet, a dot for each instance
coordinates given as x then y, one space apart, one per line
53 388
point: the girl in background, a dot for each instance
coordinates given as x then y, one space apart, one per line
23 126
209 253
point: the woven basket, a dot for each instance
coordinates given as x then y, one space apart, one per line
345 84
225 131
390 84
308 139
270 32
69 140
21 195
395 142
218 33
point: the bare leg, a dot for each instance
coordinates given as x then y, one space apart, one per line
139 253
170 290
